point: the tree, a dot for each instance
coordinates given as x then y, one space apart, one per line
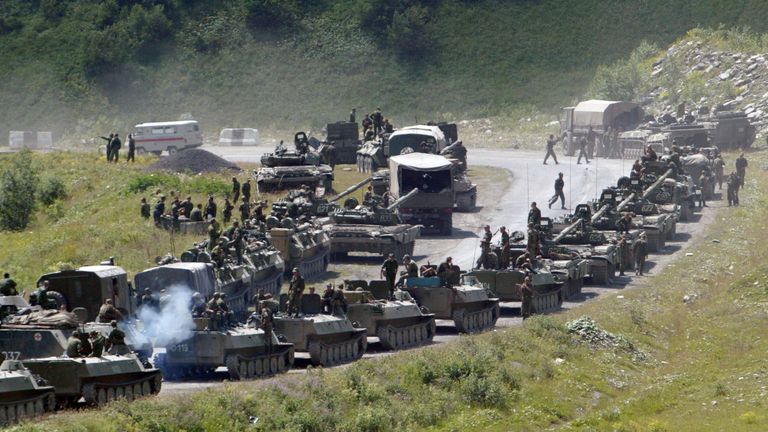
18 183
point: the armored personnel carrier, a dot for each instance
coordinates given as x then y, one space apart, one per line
247 353
285 169
98 380
22 395
329 339
505 284
305 245
467 304
398 323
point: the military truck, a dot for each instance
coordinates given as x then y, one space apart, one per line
599 115
287 169
398 323
412 139
505 285
329 339
468 303
432 176
98 380
345 137
247 353
22 394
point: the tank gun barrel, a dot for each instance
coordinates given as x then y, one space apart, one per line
652 188
402 199
566 230
351 189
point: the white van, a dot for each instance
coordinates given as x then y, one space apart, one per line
167 136
239 137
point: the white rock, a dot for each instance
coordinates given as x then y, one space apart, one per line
558 361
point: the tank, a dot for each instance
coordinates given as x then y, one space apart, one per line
22 394
98 380
467 304
398 323
505 284
466 193
299 203
286 169
305 246
329 339
579 237
243 350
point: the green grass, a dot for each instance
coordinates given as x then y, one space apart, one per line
696 365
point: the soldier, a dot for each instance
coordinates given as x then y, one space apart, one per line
258 212
245 210
389 272
368 196
532 245
145 209
267 324
116 341
235 189
534 215
42 296
640 253
7 285
227 212
198 306
674 157
147 300
485 250
582 150
97 344
175 207
591 137
378 120
521 260
703 186
551 149
367 123
504 258
526 308
353 116
212 307
718 166
116 144
732 185
487 234
157 214
295 291
196 215
388 128
624 224
637 169
214 232
559 186
225 315
411 269
131 149
650 155
247 190
188 206
339 303
109 313
623 249
74 345
109 146
210 208
236 240
741 169
327 299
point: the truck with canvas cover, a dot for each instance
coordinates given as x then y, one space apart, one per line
599 115
432 176
22 394
428 139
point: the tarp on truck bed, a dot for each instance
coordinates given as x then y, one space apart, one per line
196 276
597 113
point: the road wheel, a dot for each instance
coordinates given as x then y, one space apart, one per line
172 150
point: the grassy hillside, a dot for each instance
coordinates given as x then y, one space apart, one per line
685 352
86 66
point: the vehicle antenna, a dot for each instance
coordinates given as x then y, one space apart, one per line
527 187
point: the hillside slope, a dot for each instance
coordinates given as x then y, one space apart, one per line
85 66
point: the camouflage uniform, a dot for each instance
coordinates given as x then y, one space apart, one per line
97 344
8 286
640 252
741 169
295 291
74 346
227 212
116 341
526 308
389 271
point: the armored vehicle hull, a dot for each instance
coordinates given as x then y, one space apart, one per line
397 323
547 291
572 272
306 247
470 307
245 351
397 239
291 177
21 394
96 379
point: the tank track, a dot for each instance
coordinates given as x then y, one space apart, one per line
572 288
35 406
178 373
672 232
317 265
547 302
602 275
656 241
476 321
101 393
395 338
241 367
330 354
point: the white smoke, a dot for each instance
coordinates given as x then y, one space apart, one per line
173 322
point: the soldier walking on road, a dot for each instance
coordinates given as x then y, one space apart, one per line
733 189
591 137
551 149
623 249
559 186
526 308
389 272
640 252
582 151
295 291
741 169
131 149
235 189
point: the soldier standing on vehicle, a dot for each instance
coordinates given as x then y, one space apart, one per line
485 261
447 273
532 246
487 234
526 308
210 208
109 146
227 212
624 224
116 144
718 166
295 291
353 116
534 215
559 186
131 149
97 344
116 341
504 258
741 169
235 189
267 324
157 214
7 285
378 120
732 184
551 149
109 313
214 232
247 190
389 272
582 151
640 252
236 237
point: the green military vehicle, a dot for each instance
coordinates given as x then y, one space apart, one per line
505 285
375 154
98 380
22 394
288 169
303 245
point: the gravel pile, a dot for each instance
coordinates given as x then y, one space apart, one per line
193 160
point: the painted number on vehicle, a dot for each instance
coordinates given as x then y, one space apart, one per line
11 355
646 208
180 348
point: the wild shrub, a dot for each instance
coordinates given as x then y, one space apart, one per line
18 187
51 189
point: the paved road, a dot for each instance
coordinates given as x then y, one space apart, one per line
530 180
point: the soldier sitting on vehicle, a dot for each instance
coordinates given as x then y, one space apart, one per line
116 341
7 286
74 345
448 273
198 306
98 342
109 313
